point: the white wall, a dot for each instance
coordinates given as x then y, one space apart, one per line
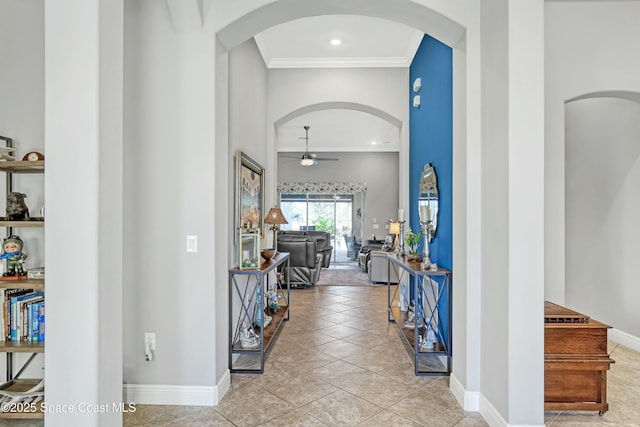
378 170
382 89
512 256
247 118
495 212
83 184
594 53
603 203
169 193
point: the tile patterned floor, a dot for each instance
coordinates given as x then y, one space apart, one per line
338 362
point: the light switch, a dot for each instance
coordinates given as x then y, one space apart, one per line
192 243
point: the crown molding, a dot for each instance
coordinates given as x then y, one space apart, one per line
374 62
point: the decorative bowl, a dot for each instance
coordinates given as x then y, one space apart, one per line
267 254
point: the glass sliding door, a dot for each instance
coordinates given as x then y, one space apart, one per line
333 213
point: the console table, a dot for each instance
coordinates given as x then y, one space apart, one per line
248 288
430 290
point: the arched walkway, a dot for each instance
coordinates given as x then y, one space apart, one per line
339 105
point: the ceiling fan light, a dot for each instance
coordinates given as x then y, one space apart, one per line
306 162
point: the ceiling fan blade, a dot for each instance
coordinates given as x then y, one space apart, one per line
326 158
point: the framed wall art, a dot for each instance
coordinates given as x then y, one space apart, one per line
249 193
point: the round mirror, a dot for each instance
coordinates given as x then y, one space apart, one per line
428 200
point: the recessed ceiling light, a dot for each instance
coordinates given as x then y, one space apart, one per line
336 42
374 142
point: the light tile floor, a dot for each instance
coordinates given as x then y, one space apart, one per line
338 362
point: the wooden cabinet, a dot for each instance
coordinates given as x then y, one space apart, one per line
576 361
20 407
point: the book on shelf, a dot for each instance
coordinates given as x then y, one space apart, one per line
41 321
17 309
7 294
22 314
26 318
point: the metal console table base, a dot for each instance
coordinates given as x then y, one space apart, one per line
430 292
243 288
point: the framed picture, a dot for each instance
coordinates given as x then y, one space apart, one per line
250 193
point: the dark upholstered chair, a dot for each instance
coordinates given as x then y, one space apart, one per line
305 263
323 242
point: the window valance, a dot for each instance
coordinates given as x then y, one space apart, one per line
322 187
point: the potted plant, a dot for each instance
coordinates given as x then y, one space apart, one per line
412 241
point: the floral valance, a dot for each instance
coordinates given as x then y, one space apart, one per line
322 187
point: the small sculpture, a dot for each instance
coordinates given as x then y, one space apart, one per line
12 252
272 297
248 338
429 341
17 209
6 153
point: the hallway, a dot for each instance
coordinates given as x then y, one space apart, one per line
337 362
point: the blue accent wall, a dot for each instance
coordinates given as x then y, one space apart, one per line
431 139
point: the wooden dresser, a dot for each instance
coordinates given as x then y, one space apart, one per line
575 361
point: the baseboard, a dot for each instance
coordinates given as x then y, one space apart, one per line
624 339
223 386
493 417
489 413
154 394
469 400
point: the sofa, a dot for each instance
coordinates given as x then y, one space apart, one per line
305 263
378 268
323 242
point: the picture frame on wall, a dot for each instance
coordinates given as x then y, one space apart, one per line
249 193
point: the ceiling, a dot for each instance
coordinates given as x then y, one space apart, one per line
366 42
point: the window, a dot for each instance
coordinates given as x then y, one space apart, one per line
330 212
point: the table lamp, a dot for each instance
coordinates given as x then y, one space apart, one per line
275 218
394 228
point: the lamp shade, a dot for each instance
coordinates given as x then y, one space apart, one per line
394 228
275 216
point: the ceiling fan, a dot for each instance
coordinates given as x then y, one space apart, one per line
310 159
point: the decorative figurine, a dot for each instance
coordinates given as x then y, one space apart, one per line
272 297
248 338
429 337
12 252
260 319
16 207
6 153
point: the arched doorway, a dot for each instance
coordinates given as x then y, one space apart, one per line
446 30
